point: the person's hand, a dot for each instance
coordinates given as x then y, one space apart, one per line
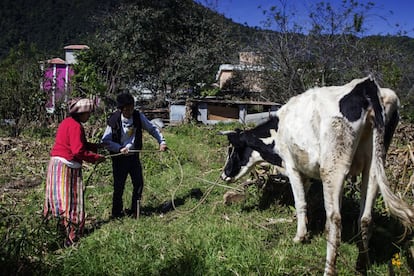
124 150
163 147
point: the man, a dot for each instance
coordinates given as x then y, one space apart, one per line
122 135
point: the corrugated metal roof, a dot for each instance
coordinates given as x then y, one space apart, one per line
236 102
238 67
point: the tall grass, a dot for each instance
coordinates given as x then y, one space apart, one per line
184 228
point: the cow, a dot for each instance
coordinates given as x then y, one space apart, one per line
328 133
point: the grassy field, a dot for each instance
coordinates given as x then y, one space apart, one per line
197 235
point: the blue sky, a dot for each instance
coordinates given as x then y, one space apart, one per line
381 20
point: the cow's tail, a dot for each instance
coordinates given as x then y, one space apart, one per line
397 207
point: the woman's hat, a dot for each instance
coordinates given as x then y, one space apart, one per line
124 99
81 105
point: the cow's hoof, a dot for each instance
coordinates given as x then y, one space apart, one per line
298 239
301 239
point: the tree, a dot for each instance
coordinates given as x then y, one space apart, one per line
165 46
88 80
331 51
21 99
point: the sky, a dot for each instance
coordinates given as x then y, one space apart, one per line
381 20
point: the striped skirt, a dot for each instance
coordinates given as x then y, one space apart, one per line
64 197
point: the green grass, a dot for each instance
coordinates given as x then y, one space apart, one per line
201 236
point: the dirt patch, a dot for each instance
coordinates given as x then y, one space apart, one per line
24 163
21 184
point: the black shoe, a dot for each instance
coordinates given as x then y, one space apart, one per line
131 213
118 215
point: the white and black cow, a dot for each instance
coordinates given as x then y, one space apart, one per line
328 133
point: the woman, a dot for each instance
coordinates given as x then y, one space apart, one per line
64 187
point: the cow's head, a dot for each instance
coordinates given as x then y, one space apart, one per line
247 148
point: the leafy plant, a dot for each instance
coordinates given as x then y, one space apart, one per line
21 99
210 91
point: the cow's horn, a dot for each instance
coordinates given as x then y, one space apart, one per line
227 132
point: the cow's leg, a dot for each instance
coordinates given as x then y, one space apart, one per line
298 190
333 183
369 191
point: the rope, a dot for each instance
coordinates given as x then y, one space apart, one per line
203 198
113 155
130 152
221 185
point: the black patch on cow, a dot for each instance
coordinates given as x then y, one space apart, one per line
272 157
266 150
359 99
353 103
252 139
244 142
234 139
238 157
263 130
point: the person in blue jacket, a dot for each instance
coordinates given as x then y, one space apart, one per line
123 134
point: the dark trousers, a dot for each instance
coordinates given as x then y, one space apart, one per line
121 167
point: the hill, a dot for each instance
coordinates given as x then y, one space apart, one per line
52 24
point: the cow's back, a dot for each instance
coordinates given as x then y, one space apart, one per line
307 123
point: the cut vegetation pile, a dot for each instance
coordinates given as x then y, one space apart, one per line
185 228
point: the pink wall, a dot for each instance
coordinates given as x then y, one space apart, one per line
56 83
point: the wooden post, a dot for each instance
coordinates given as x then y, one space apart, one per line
138 203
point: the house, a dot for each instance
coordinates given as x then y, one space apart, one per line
71 51
212 111
248 69
56 76
55 82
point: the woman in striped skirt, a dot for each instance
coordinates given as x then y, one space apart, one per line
64 187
